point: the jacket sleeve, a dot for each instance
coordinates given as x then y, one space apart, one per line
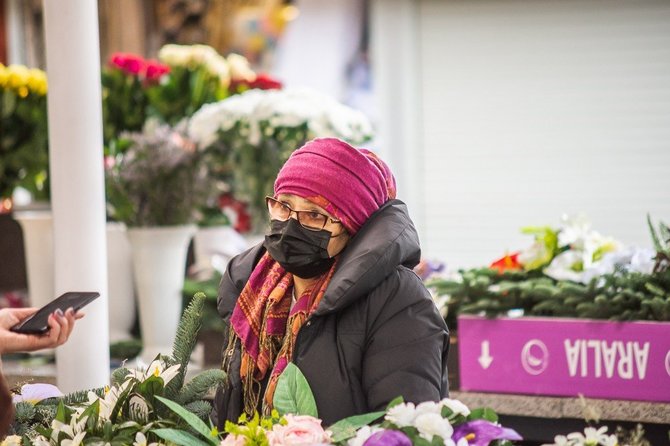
407 344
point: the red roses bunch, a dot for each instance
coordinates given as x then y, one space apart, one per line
125 81
149 69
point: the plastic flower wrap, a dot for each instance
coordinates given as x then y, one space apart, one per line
23 130
255 132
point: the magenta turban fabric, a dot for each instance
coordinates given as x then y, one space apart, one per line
347 182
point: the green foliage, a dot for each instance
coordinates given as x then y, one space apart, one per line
211 320
196 423
184 343
347 427
619 296
24 159
137 401
197 388
293 394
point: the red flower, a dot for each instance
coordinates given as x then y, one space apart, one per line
262 82
509 262
242 219
265 82
129 63
155 70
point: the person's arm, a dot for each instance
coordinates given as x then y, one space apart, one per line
407 345
60 327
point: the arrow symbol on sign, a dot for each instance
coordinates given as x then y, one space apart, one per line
485 359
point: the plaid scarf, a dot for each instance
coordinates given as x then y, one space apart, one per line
260 320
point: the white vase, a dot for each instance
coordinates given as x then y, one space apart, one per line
213 247
159 262
120 283
37 227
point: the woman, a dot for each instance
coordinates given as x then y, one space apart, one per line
332 290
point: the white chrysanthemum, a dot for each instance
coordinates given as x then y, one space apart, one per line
363 434
428 407
11 440
239 68
429 424
456 406
401 414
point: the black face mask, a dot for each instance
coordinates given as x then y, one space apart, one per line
298 250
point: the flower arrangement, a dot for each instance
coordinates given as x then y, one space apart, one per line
255 132
158 179
23 130
598 437
124 82
295 422
141 406
571 271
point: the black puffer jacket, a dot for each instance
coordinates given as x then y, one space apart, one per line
375 335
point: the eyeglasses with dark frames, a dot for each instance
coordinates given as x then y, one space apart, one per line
312 220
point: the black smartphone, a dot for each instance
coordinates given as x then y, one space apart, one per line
38 322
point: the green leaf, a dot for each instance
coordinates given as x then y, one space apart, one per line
346 428
654 237
293 394
395 401
192 419
180 437
483 413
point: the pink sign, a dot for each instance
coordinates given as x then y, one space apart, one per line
553 356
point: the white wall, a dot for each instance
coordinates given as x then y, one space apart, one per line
536 108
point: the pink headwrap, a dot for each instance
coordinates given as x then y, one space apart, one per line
347 182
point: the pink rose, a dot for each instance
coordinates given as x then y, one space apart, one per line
300 430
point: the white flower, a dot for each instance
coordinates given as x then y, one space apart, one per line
11 440
401 415
363 434
140 439
76 441
239 68
559 440
156 368
40 441
428 407
592 437
429 424
456 406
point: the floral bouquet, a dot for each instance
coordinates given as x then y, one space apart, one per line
569 271
124 101
24 158
255 132
141 406
295 422
157 179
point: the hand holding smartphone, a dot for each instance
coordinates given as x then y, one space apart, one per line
38 323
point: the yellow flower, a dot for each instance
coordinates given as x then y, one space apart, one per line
18 75
37 81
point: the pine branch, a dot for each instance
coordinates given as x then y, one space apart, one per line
200 408
198 387
184 343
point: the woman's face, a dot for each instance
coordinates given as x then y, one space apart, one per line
339 237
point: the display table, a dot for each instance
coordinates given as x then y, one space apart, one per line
540 418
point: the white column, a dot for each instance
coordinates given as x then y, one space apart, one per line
394 48
16 47
77 184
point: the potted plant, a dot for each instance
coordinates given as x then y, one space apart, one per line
157 185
